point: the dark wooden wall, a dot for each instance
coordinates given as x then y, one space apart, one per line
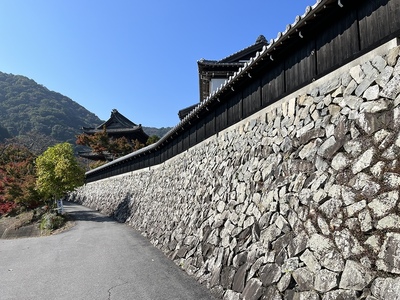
340 36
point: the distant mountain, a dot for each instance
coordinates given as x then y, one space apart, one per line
30 111
160 132
26 106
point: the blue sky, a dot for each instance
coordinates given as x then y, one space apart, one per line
139 57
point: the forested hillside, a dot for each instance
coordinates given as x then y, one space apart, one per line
26 106
4 134
30 111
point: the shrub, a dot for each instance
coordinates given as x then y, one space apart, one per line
51 221
6 207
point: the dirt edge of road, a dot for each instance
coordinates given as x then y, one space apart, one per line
24 226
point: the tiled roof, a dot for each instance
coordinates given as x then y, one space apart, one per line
183 112
118 117
232 59
211 63
117 120
114 130
118 125
260 42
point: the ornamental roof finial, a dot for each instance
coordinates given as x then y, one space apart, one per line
261 39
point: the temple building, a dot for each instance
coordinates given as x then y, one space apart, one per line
213 73
116 126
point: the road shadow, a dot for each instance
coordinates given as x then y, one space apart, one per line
78 212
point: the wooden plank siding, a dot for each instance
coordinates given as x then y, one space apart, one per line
186 139
157 157
174 147
200 132
170 150
180 146
273 84
300 66
234 108
374 16
252 98
393 16
193 135
341 35
210 124
221 117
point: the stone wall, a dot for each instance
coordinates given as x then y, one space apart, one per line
299 201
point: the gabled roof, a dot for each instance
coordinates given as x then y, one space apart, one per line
183 112
118 125
116 121
237 59
248 52
227 66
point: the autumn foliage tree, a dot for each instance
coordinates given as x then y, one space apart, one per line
106 147
17 178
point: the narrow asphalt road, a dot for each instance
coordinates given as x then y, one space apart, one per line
98 259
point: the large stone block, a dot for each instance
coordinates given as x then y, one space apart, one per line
253 290
325 280
392 88
270 274
355 276
386 288
389 255
304 279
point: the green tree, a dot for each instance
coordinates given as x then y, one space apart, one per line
58 172
152 139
